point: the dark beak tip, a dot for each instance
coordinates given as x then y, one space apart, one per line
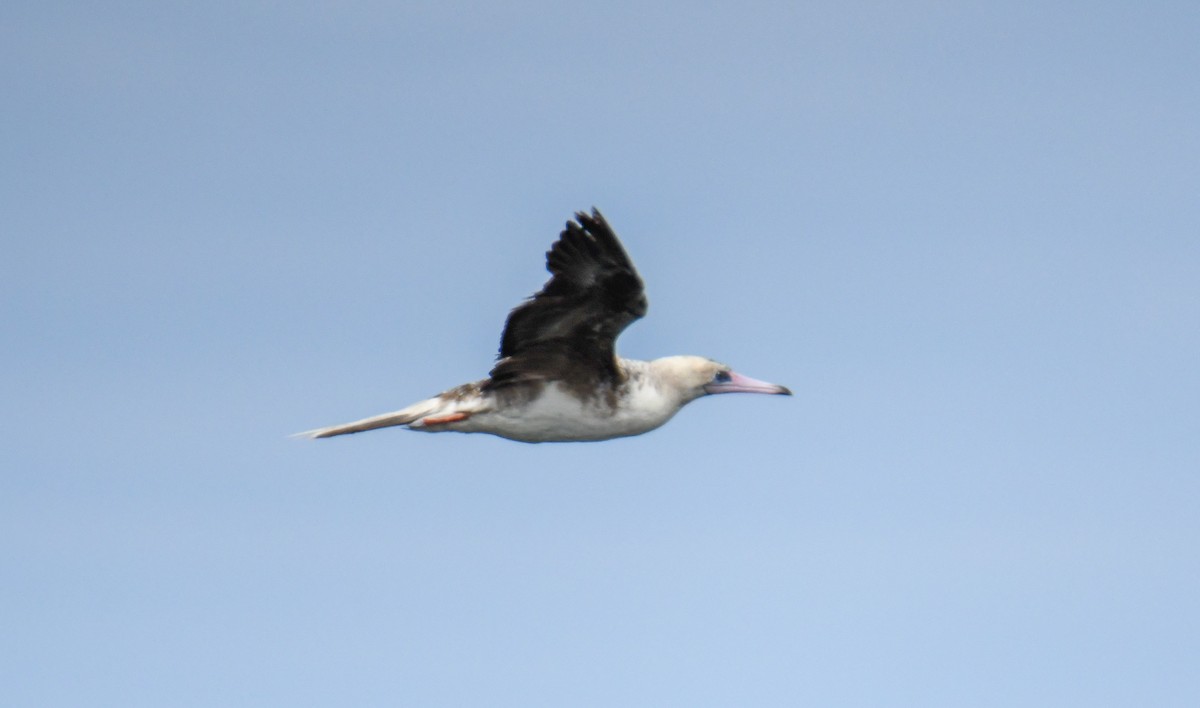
785 391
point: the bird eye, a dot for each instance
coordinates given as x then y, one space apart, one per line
722 377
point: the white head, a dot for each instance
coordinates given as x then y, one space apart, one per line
691 377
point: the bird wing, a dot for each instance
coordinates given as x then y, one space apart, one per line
571 324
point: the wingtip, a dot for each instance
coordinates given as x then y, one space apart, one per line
583 218
596 216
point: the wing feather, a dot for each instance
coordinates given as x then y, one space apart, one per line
569 327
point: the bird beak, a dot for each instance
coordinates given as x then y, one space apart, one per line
744 384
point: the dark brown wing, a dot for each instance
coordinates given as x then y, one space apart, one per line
567 329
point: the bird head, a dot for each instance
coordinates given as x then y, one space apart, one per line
696 376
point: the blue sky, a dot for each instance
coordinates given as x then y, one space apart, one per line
965 234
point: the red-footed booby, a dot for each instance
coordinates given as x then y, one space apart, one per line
558 378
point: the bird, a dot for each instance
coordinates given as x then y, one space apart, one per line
557 377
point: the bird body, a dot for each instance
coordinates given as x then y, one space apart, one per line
558 378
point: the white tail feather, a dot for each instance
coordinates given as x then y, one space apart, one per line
405 416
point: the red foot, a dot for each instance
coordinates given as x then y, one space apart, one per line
452 418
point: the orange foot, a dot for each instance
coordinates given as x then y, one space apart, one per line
452 418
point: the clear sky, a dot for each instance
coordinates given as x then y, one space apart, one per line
966 234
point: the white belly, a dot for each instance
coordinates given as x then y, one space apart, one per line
556 416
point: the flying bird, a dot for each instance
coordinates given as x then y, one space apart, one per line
558 377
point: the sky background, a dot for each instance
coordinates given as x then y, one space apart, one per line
966 234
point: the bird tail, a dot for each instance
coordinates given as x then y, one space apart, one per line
405 416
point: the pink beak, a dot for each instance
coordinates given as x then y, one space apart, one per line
744 384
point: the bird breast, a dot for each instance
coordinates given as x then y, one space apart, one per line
557 415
